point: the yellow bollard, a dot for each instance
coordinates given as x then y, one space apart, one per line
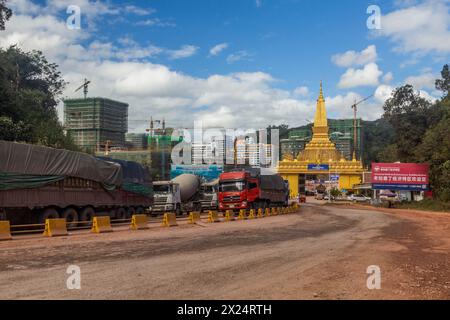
55 227
169 220
5 230
274 212
101 224
229 215
139 222
213 216
260 213
251 215
242 214
267 213
193 217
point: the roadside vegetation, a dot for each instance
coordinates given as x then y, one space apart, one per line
426 205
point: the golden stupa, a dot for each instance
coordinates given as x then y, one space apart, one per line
320 151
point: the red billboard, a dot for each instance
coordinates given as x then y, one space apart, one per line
400 176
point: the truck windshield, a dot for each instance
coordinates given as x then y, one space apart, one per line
232 186
161 188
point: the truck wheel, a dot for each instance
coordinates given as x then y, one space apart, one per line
48 213
71 216
130 212
121 213
87 215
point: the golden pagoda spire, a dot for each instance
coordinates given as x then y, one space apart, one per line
320 119
320 147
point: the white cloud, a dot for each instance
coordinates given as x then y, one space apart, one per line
119 69
426 80
353 58
237 56
383 92
139 10
214 51
388 77
301 91
340 107
421 28
155 22
184 52
367 76
24 7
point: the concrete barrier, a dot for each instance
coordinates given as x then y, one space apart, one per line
260 213
5 230
242 214
213 216
193 217
101 224
229 215
169 220
55 228
139 222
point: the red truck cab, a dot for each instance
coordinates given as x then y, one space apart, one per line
237 190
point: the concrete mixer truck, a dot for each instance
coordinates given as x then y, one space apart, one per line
184 193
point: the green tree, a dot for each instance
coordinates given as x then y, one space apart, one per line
435 150
409 115
444 83
29 90
377 136
5 14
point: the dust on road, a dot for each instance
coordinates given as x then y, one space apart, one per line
321 252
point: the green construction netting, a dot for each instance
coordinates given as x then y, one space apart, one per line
10 181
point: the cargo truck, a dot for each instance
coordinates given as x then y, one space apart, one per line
249 189
37 183
184 193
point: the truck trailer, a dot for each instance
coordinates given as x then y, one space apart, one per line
38 183
249 189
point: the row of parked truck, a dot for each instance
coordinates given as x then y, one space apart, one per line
38 183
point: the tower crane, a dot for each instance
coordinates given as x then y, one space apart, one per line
85 87
355 110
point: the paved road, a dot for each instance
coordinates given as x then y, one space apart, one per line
321 252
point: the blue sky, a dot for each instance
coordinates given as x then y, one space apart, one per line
269 58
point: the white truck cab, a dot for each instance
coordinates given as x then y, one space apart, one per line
167 197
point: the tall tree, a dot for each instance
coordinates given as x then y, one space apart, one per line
444 83
435 150
29 91
407 112
5 14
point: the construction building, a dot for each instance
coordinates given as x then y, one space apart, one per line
136 141
96 122
341 134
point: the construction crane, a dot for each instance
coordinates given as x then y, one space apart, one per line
85 87
355 110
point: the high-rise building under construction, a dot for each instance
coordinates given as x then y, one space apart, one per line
96 122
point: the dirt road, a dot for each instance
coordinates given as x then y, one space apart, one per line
321 252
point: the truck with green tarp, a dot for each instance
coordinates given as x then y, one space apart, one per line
37 183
